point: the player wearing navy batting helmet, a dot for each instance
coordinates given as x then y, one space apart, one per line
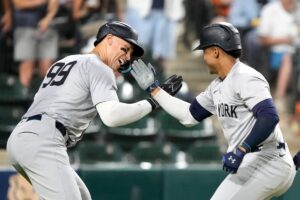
76 89
258 160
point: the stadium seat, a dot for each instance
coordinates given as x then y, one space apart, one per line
126 136
156 153
184 136
9 118
204 152
11 90
92 152
34 86
128 92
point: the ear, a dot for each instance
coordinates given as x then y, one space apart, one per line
109 39
216 52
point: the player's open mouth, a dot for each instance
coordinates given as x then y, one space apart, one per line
122 61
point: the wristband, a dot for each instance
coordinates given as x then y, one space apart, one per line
153 103
154 85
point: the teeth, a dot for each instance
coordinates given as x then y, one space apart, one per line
122 61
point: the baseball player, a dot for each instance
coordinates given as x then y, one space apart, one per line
73 91
258 160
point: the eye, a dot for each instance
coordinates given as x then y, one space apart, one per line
125 50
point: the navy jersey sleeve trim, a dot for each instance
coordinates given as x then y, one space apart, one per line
198 112
267 118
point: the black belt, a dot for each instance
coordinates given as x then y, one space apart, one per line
62 129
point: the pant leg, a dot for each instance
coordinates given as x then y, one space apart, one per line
38 148
85 194
259 177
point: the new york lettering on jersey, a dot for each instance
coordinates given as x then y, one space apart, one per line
226 110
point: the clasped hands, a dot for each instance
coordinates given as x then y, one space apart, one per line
145 77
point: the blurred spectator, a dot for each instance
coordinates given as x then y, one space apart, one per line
6 20
34 38
198 14
155 21
89 14
278 31
244 14
6 39
222 9
113 10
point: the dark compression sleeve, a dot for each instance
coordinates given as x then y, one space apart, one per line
266 120
198 112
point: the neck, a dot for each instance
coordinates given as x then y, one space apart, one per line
225 66
101 54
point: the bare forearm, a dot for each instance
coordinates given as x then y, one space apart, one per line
6 6
28 4
120 9
268 41
52 9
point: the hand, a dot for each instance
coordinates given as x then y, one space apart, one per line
232 160
297 160
172 84
144 75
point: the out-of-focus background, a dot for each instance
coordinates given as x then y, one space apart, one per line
155 158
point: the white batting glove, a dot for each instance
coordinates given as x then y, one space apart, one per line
144 75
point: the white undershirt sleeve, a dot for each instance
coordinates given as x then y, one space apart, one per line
115 113
175 107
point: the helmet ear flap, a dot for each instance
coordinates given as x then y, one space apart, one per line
125 68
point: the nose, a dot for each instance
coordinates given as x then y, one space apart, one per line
128 56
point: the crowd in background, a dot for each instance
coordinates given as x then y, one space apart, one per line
35 33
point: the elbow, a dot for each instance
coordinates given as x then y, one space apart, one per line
109 121
188 123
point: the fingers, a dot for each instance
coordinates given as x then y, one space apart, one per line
171 78
152 68
137 67
141 68
133 72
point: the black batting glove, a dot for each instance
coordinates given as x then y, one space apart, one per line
171 85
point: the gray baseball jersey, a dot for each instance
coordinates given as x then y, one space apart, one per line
68 94
70 91
263 174
233 98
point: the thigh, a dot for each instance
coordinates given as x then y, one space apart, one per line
260 177
85 194
37 147
48 45
53 180
25 41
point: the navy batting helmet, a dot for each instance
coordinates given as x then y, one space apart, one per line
223 35
121 30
